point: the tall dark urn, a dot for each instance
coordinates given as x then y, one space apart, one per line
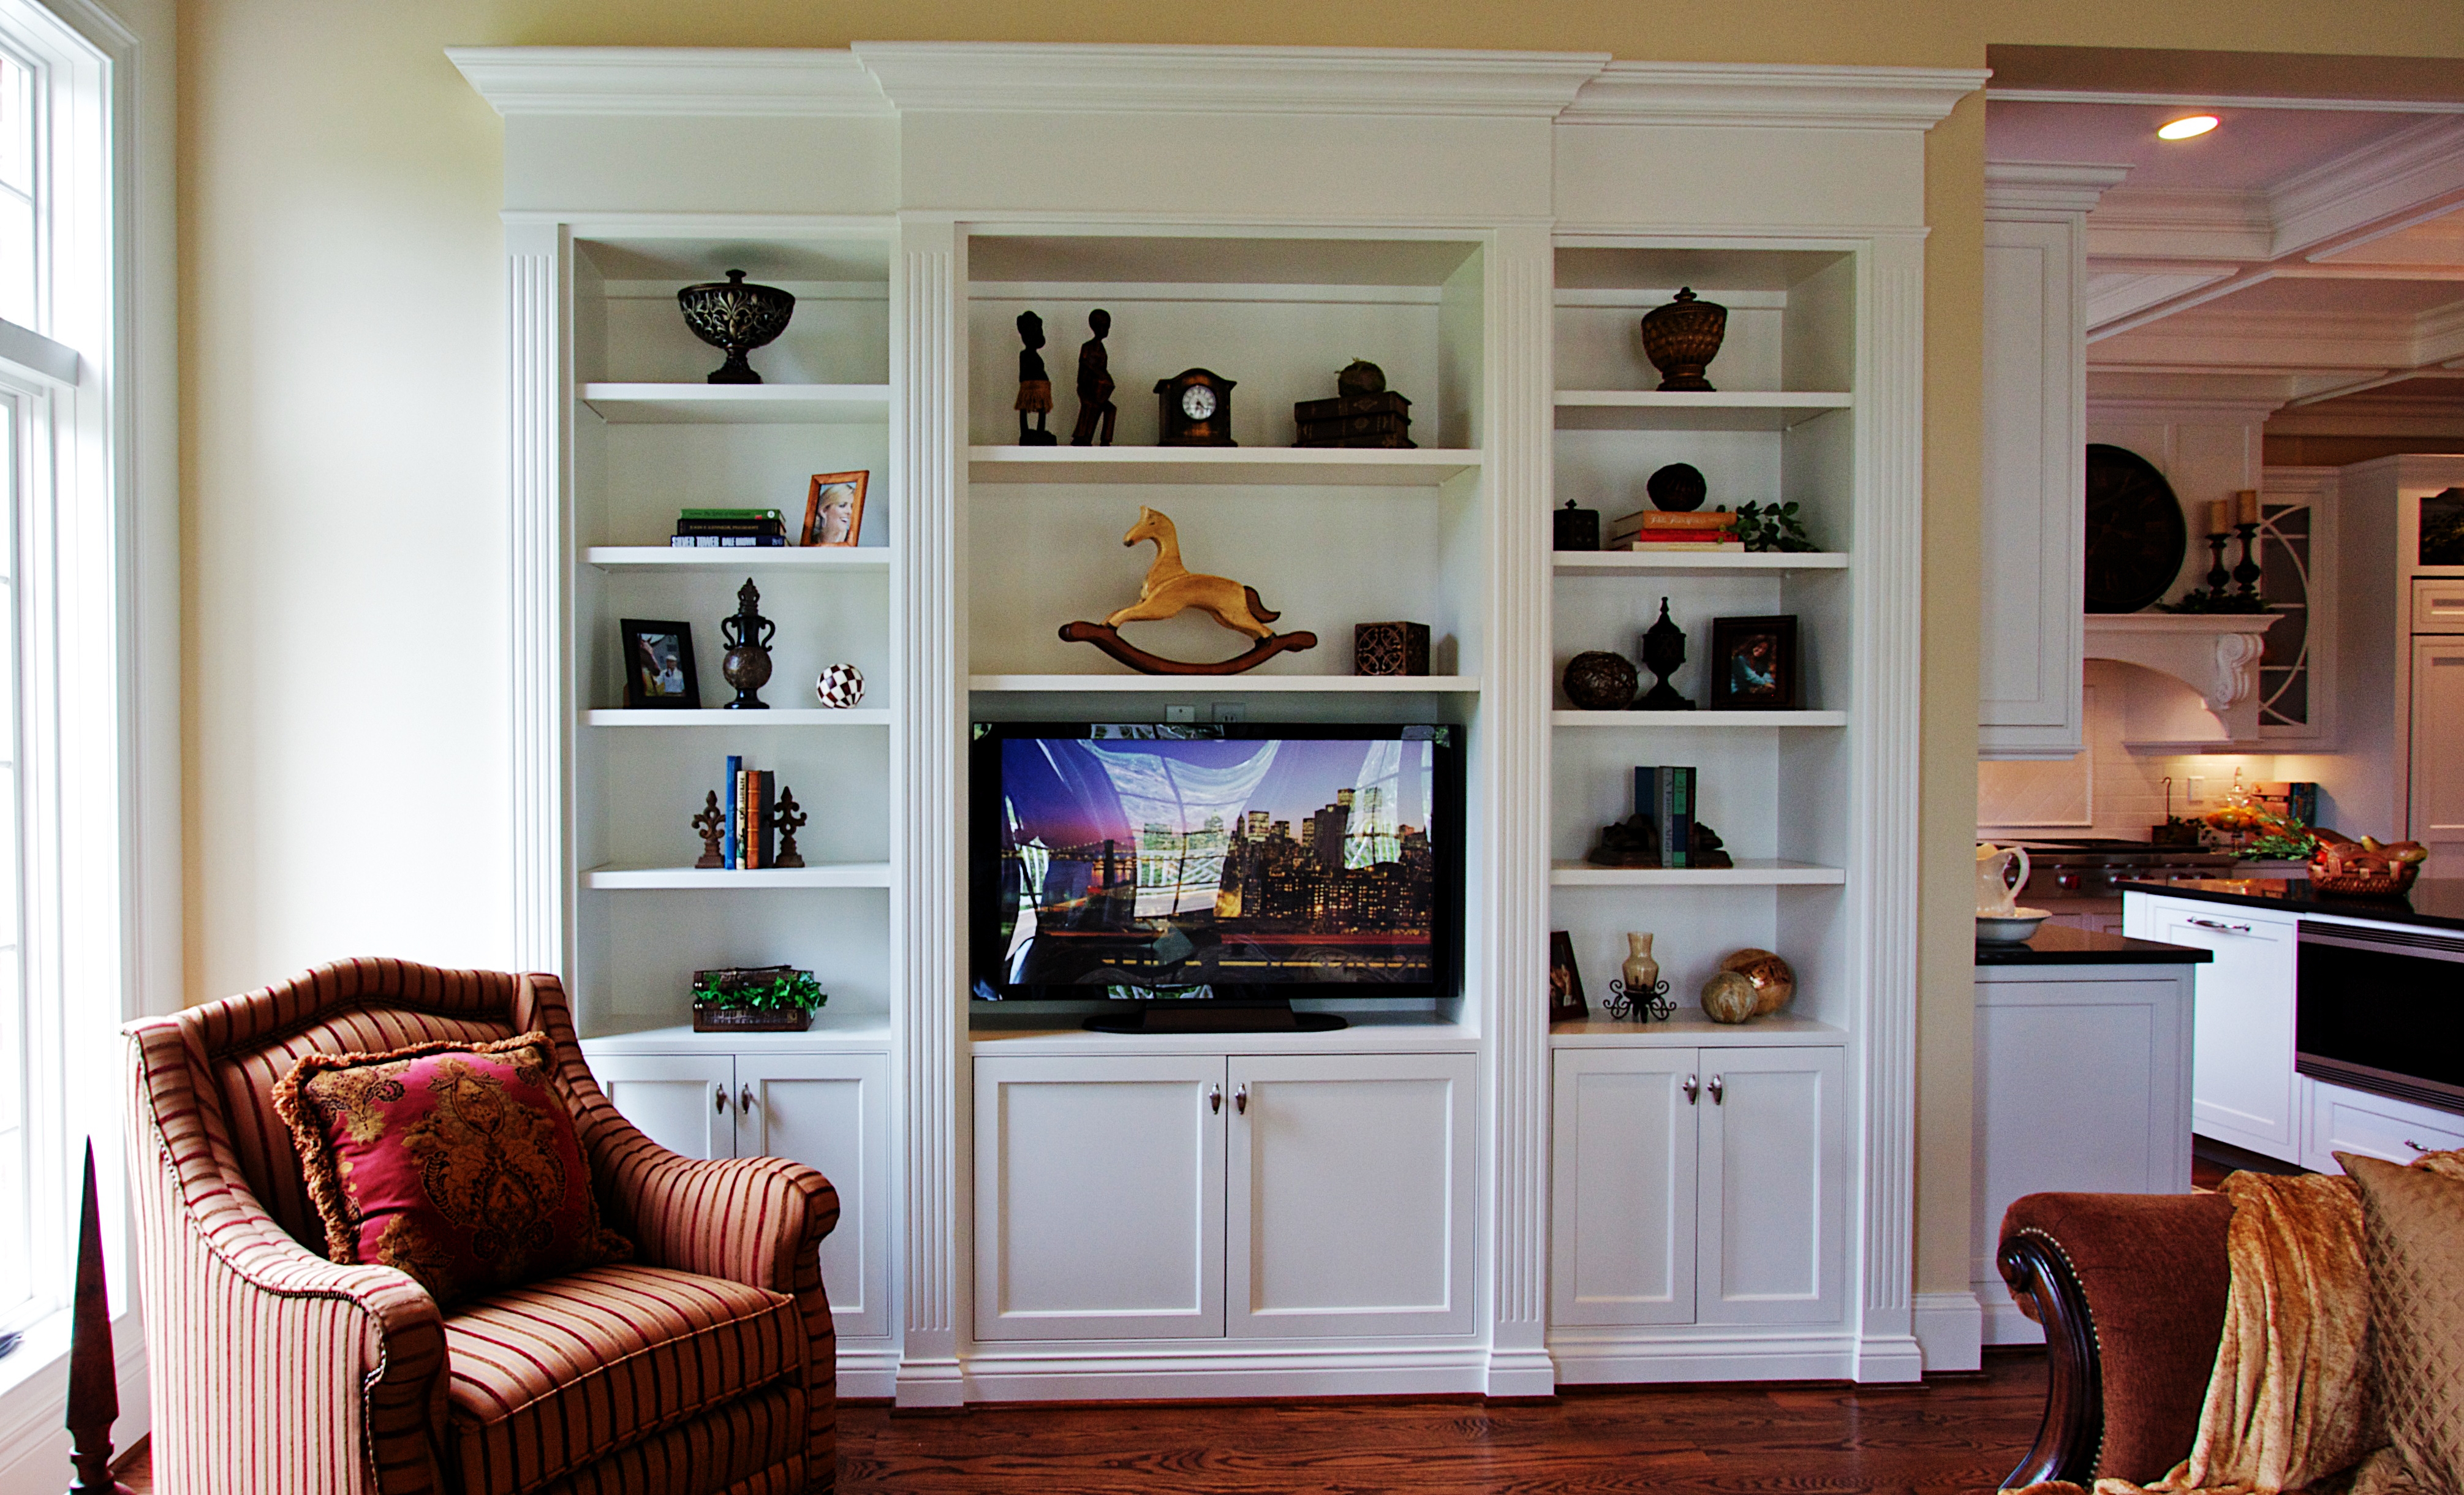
746 665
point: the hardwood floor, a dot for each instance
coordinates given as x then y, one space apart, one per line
1955 1437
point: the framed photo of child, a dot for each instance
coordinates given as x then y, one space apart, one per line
1566 1003
659 672
834 508
1753 664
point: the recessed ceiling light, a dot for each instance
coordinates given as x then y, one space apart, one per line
2187 127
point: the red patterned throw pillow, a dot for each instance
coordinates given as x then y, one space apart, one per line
454 1162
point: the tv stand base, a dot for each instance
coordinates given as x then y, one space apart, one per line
1213 1017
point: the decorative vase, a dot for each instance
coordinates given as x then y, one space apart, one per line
738 317
1728 997
839 685
1664 650
1677 488
1682 338
746 665
1599 681
1774 981
1641 971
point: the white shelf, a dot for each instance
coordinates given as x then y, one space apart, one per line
739 405
1688 1029
1663 562
833 1028
1229 685
1749 872
836 874
1698 720
1314 467
731 558
720 716
1691 410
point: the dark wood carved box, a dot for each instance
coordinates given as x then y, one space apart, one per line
1383 418
1389 648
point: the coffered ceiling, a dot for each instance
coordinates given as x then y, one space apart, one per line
2311 246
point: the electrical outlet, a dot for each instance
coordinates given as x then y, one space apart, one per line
1231 711
1188 713
2193 781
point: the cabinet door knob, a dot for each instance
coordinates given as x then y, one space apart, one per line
744 1098
1241 1099
1719 1088
718 1097
2221 927
1215 1099
1693 1089
2416 1146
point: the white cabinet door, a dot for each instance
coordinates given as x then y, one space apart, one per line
683 1102
830 1112
2375 1126
1099 1198
1768 1200
2242 1046
1621 1212
2438 752
1351 1179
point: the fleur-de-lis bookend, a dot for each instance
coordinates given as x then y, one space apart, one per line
710 823
789 817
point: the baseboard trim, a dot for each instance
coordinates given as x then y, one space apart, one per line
1598 1358
1522 1372
1951 1330
1009 1374
930 1384
868 1374
2005 1325
1886 1359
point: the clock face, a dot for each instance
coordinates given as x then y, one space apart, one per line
1197 402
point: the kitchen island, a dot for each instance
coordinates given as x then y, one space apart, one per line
2325 1024
2082 1083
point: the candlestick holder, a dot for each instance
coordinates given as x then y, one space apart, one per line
2246 573
2217 575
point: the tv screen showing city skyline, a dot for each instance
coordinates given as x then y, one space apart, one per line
1157 865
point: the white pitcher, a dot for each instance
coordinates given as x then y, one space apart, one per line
1997 891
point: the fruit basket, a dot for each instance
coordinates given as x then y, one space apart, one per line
2364 868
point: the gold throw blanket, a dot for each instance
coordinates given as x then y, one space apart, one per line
2291 1404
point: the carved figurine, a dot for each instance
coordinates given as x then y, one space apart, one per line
1034 384
711 823
746 665
1169 589
789 817
1095 384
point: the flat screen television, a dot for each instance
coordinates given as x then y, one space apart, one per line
1201 878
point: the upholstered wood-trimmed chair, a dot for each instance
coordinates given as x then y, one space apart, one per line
2130 1289
704 1366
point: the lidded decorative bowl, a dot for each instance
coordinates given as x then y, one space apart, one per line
1682 338
1599 681
738 317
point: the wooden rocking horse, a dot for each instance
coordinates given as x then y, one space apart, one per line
1171 588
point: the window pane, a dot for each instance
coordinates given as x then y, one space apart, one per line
17 260
16 126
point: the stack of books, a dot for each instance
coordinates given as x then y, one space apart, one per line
1383 418
748 840
699 527
1665 795
1656 529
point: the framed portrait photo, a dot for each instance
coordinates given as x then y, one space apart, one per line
1753 664
659 673
834 508
1566 1003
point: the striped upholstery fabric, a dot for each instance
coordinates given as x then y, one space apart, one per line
549 1376
273 1370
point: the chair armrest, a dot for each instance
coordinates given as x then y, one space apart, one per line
758 1220
2130 1289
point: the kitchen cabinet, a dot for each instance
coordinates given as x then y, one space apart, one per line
2341 1120
1206 1197
829 1111
1697 1186
2241 1071
2437 750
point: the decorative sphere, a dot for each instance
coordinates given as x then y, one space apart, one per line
1774 983
1677 488
840 685
1599 681
1728 997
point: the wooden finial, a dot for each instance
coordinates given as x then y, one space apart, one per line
94 1376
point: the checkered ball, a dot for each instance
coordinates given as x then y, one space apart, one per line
841 686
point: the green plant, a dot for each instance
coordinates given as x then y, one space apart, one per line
2284 841
762 989
1771 527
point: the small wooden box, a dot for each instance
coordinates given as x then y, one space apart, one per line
1368 420
1389 648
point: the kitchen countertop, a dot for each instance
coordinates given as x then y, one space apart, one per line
2435 902
2053 944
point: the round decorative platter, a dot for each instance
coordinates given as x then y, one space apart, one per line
2136 537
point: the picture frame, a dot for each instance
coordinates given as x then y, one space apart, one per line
1566 1003
659 673
1753 664
834 508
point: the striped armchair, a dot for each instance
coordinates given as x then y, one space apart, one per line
705 1365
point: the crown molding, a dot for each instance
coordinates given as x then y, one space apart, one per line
1749 94
2048 185
2412 174
2098 96
1070 78
670 81
2238 397
2114 295
2194 223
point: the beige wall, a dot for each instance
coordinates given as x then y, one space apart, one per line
346 741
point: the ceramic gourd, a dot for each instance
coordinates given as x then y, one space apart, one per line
1728 997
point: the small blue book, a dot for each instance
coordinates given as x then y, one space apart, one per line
729 839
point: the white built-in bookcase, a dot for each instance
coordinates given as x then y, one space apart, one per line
1487 228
